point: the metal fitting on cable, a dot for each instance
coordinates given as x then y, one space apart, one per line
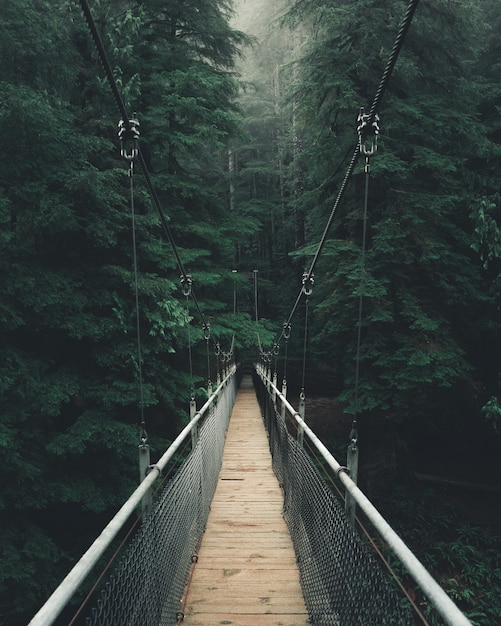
143 434
287 330
129 138
207 331
186 283
367 133
308 282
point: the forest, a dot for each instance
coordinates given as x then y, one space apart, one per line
248 116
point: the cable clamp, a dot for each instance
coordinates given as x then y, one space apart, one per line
186 283
129 138
368 131
276 349
287 330
308 282
207 331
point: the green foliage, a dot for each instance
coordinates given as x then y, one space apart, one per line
69 390
463 557
491 412
425 295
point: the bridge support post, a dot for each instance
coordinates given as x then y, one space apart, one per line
302 413
275 377
350 506
194 430
284 393
144 466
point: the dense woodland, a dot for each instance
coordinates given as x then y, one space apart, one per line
246 126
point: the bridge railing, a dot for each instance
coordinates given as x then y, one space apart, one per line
147 585
339 575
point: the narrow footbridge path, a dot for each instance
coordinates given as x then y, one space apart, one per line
246 571
246 532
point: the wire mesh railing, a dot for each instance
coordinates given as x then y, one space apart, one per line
342 582
146 587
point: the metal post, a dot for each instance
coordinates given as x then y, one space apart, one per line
234 293
194 430
350 506
144 466
275 377
255 272
302 412
284 393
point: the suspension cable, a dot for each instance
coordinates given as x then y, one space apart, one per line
307 291
126 123
367 147
144 435
286 332
207 335
390 65
128 150
186 287
385 78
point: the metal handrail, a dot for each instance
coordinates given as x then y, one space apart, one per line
64 592
437 597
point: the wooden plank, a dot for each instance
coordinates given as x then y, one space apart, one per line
247 619
246 572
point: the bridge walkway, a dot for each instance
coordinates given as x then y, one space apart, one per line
246 572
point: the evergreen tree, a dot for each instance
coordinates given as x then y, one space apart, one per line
263 160
427 311
69 391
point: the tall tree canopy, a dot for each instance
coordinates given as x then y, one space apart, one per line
431 316
69 414
251 195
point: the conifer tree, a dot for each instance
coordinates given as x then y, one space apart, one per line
426 307
69 391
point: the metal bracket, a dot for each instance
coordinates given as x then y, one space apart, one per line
367 133
129 138
308 282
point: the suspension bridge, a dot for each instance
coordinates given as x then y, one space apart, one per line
246 531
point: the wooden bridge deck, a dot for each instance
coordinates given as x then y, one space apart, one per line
246 572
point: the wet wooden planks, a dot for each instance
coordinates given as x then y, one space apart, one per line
246 572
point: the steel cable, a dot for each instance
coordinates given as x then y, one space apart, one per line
126 121
383 83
